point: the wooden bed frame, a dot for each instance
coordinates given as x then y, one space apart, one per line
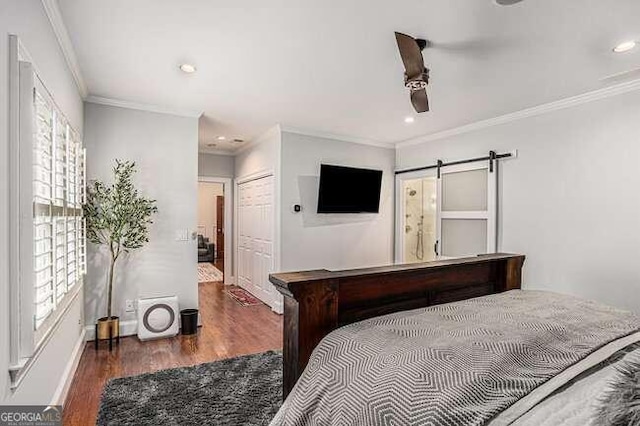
318 302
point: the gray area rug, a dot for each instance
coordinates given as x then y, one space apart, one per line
245 390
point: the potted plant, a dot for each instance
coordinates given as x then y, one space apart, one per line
117 217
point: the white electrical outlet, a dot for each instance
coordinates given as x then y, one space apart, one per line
130 305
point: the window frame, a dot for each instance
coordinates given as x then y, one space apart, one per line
26 341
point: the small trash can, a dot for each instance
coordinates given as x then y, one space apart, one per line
189 321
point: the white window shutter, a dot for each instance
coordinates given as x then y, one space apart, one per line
58 223
44 194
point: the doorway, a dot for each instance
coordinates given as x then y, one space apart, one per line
420 209
214 230
446 215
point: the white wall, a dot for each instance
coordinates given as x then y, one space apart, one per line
571 201
262 155
307 240
207 212
334 241
212 165
165 149
28 20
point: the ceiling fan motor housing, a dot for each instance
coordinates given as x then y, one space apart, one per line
418 82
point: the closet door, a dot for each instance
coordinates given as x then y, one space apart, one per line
467 211
244 235
256 223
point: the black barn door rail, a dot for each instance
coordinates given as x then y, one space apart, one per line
491 158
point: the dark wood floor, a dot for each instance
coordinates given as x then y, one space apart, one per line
219 263
228 330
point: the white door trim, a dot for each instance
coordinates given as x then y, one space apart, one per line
229 220
254 176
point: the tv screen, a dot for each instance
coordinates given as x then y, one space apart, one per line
349 190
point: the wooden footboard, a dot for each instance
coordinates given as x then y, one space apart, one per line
318 302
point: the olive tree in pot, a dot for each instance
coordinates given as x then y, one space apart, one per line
118 217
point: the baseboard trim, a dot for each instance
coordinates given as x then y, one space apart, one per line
278 307
60 395
127 328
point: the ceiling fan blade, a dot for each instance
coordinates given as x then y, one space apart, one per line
420 100
411 55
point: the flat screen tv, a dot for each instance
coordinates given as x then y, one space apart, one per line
349 190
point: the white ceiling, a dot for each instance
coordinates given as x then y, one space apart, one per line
332 66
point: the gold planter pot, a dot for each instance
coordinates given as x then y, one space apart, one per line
104 325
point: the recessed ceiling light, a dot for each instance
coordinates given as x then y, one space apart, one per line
188 68
409 120
221 138
625 47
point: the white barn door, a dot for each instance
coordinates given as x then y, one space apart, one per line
467 211
454 215
256 222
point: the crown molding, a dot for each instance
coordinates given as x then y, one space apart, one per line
142 107
344 138
584 98
52 10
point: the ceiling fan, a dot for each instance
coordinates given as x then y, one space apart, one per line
416 75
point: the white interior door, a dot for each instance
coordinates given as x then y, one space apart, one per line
467 211
256 224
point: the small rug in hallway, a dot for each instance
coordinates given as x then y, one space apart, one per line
208 273
243 297
246 390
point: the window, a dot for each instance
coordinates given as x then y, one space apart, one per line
58 194
47 191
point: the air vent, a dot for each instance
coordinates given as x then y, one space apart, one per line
238 140
506 2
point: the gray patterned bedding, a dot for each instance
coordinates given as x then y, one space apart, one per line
580 402
461 363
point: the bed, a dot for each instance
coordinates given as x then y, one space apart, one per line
444 343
